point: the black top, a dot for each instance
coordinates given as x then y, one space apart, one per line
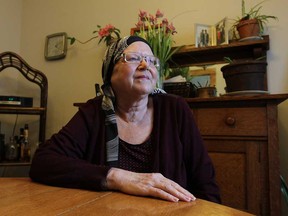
136 158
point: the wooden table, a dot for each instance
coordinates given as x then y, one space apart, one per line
20 196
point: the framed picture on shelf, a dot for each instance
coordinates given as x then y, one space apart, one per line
203 35
221 32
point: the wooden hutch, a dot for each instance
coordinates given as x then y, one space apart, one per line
240 132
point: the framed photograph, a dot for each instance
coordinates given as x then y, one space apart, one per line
203 77
55 46
203 35
221 32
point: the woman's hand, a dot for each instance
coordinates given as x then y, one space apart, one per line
147 184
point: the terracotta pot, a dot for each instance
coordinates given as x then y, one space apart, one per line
206 92
248 28
243 76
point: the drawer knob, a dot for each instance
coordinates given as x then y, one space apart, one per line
230 121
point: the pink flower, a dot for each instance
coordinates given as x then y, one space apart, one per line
106 34
159 14
171 29
106 31
143 15
109 27
140 24
165 21
158 32
152 19
103 33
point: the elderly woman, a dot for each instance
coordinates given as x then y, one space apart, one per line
134 139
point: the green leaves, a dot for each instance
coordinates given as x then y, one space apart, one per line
72 40
255 13
158 32
105 34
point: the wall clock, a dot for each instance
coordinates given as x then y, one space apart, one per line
56 46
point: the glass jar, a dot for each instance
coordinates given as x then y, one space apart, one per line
11 150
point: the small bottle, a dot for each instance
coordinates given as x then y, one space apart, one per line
27 148
21 144
11 151
2 145
16 138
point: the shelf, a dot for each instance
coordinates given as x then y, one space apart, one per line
15 163
193 56
22 110
32 75
239 101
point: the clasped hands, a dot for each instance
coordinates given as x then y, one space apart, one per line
147 184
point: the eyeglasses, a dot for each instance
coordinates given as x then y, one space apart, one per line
136 58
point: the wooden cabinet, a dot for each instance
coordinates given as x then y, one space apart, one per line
241 135
12 60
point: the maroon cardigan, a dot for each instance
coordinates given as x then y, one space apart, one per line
75 157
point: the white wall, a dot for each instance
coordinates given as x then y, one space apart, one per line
72 79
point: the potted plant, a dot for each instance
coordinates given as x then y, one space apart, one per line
252 22
206 92
181 88
249 76
106 34
158 31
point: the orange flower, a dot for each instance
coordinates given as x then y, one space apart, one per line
106 33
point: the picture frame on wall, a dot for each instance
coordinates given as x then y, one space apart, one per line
222 32
203 35
55 46
203 77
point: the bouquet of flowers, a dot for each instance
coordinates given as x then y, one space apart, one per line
106 34
158 32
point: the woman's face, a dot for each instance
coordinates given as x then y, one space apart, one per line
134 78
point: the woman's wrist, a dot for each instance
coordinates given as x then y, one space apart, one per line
110 179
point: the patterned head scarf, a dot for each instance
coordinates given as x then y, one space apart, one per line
112 55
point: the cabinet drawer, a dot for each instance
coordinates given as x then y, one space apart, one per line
232 121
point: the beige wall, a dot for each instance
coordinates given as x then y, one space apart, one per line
72 79
10 26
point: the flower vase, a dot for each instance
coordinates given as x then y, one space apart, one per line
160 80
161 75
